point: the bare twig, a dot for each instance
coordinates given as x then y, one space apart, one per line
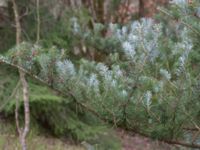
190 129
17 114
38 20
185 144
24 14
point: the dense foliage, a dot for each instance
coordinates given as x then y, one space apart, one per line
145 78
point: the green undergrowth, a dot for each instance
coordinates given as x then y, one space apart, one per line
56 115
35 140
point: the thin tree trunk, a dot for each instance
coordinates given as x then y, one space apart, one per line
38 20
147 8
22 132
141 8
72 4
100 10
26 109
17 23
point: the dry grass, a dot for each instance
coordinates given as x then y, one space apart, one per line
9 140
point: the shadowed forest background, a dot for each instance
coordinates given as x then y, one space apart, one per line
99 74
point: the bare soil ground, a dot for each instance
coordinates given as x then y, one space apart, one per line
133 141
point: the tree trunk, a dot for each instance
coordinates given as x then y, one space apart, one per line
22 132
38 20
147 8
26 109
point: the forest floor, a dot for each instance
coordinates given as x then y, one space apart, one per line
129 141
35 140
134 141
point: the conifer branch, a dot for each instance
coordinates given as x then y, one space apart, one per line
181 21
14 92
65 94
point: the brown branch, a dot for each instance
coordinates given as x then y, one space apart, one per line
25 14
185 144
190 129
